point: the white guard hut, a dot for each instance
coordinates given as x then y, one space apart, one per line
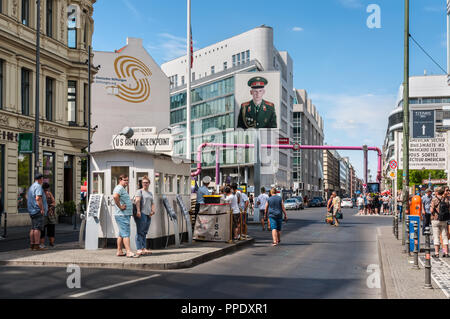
168 176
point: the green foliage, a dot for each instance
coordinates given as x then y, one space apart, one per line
417 176
66 208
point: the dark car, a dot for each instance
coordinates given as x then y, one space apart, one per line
320 200
315 203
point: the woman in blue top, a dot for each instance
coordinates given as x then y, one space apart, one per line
275 210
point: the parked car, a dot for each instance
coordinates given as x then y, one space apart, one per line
300 200
347 203
321 201
291 203
315 203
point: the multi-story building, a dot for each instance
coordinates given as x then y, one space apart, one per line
331 173
352 178
344 176
430 92
63 98
307 169
214 105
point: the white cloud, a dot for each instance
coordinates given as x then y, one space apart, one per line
297 29
351 3
168 46
133 9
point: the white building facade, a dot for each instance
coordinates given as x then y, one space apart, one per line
213 108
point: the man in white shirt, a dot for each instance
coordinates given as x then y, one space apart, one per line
232 199
243 205
261 204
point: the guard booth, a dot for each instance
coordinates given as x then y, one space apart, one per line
169 177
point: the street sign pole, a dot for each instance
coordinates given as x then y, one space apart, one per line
406 121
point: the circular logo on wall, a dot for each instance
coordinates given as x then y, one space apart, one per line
136 88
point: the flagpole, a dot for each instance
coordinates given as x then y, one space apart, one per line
188 89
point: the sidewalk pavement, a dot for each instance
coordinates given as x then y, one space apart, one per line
188 255
399 279
23 232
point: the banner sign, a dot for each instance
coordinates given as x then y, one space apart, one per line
426 153
146 140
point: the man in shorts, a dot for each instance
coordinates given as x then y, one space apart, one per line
37 208
261 205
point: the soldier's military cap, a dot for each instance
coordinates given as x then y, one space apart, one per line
257 82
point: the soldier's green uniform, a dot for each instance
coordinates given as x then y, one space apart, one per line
257 116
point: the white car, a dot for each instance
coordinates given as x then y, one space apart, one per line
347 203
291 204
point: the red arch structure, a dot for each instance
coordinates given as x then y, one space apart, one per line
293 147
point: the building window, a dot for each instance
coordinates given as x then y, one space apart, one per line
86 104
25 91
72 102
72 31
49 170
248 55
225 65
23 181
26 12
243 57
50 18
1 83
238 59
49 98
234 60
68 178
212 69
182 80
193 76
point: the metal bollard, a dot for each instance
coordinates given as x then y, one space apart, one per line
406 248
416 245
396 226
427 259
5 225
393 225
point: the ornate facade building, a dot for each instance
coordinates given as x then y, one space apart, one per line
66 33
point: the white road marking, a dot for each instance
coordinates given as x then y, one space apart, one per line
112 286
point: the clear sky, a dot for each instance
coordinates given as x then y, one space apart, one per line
352 73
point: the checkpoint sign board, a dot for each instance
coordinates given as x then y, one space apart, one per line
429 153
423 123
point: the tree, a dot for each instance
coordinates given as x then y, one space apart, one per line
417 176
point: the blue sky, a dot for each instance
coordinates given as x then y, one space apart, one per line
351 72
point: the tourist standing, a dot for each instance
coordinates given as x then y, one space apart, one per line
232 200
360 203
439 217
145 207
122 215
37 208
50 220
202 191
426 212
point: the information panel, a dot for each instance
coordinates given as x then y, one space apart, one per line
426 153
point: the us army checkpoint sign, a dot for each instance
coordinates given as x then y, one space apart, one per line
423 124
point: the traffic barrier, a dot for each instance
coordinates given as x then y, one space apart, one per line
416 245
396 226
427 258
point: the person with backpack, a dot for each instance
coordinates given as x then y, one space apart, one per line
440 214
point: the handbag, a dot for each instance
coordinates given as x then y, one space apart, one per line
339 215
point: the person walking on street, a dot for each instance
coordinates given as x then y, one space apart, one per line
275 210
244 204
330 208
50 220
202 191
145 207
336 208
122 215
37 208
426 213
439 216
385 201
360 203
232 200
261 205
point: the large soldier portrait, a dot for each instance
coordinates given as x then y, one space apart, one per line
257 113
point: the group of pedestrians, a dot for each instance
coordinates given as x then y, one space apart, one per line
436 213
375 204
41 207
